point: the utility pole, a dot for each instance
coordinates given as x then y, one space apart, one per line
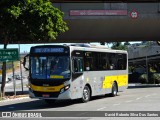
14 82
20 68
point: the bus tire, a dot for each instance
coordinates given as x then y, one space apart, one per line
114 90
86 94
50 101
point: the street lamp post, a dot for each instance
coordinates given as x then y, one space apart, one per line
147 66
20 69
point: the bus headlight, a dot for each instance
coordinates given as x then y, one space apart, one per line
65 88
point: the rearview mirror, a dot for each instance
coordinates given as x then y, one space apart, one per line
25 62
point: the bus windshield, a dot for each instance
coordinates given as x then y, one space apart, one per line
50 67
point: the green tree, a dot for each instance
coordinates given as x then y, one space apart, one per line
118 46
127 43
28 20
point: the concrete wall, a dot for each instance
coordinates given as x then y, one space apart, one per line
145 10
111 28
143 51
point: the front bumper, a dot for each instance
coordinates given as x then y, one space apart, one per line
51 95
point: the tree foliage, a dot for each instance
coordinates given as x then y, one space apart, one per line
119 46
42 21
28 20
7 19
31 20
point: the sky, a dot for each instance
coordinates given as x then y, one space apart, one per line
23 47
26 47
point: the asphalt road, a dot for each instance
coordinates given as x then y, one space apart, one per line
133 99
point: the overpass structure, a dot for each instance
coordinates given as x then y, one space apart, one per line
144 54
106 21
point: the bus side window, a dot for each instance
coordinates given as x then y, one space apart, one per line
77 65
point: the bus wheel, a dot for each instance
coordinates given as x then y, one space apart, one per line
114 90
50 101
86 94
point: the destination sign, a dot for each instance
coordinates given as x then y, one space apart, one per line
97 12
48 50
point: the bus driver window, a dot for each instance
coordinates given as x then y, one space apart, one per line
77 65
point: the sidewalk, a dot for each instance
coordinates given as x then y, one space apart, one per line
9 91
10 96
139 85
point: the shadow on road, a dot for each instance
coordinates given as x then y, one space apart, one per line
35 105
41 105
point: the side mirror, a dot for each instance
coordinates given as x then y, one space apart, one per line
25 62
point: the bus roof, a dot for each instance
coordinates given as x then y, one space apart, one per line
85 47
96 48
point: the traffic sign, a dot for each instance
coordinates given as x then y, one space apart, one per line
9 54
134 14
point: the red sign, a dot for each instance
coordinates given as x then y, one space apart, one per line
97 12
134 14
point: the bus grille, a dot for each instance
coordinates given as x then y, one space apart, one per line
40 94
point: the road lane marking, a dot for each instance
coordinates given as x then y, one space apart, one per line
154 94
138 98
129 101
101 108
147 96
116 104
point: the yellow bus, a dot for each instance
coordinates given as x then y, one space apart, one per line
78 71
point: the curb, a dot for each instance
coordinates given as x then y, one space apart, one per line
6 100
142 85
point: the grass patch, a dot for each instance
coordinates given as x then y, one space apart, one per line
9 69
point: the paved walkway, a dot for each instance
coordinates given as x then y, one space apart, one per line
139 85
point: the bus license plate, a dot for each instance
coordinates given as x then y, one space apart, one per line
45 95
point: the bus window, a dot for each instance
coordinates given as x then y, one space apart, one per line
40 65
121 62
90 61
112 61
77 65
50 67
